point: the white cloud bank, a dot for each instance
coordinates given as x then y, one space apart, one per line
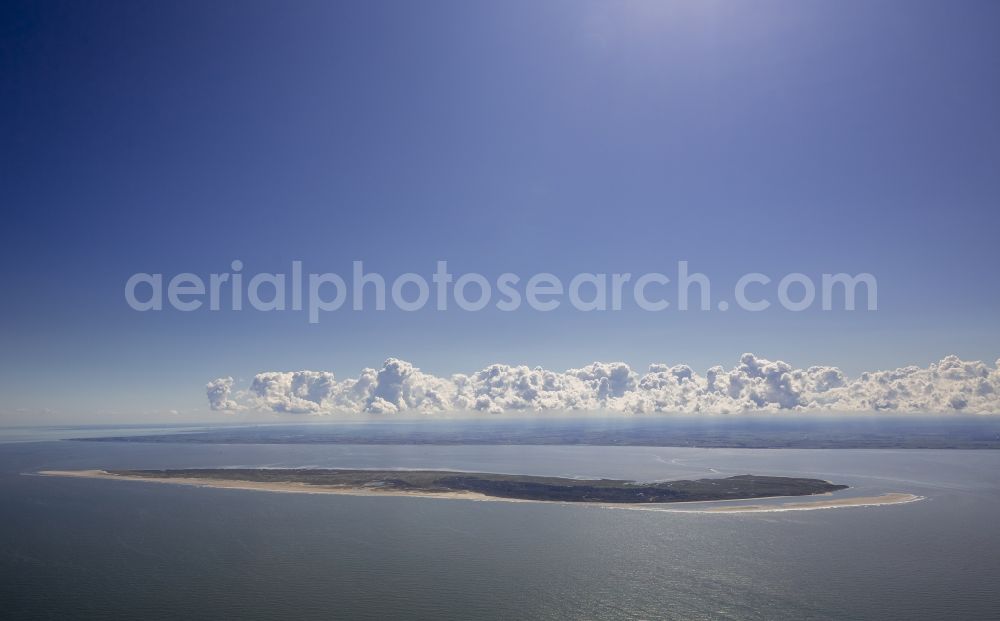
753 385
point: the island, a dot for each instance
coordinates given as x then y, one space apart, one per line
478 485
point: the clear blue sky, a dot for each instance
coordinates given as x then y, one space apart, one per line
516 136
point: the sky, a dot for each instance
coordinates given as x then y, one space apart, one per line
525 137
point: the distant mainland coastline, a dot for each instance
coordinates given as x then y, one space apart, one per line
838 432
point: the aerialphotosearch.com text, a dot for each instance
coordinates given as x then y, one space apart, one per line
319 293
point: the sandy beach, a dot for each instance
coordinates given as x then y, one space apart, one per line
894 498
284 487
722 506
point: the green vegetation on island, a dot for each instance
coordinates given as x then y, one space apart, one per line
512 486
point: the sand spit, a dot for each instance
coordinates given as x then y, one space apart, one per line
894 498
283 487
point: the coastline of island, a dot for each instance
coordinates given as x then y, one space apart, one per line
719 506
502 487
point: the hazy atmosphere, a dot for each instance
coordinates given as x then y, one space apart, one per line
557 137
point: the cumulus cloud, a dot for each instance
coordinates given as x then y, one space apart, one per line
752 385
219 392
